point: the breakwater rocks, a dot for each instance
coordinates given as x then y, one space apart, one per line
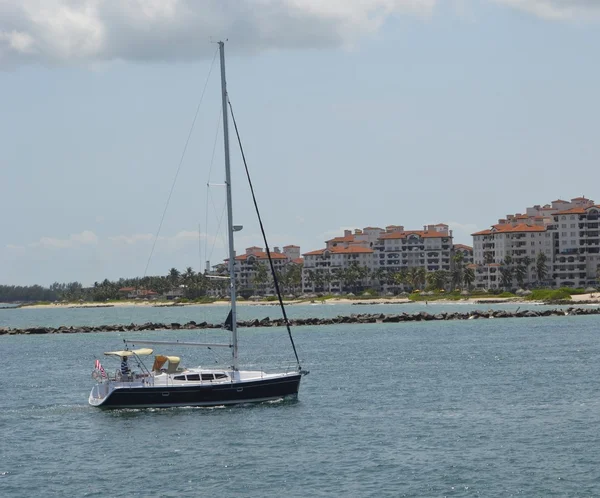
278 322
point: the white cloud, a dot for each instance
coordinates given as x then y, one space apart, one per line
558 9
86 237
91 31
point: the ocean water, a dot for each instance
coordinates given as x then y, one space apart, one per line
507 407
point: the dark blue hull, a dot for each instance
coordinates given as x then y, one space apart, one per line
203 395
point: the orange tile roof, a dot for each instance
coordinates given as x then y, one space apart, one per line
349 238
318 252
260 255
372 228
575 210
287 247
462 246
580 199
506 228
298 261
421 233
559 200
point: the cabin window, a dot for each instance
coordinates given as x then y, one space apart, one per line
179 377
193 377
207 377
220 376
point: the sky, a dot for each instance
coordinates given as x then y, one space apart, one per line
352 113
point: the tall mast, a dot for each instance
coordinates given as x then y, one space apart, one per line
230 229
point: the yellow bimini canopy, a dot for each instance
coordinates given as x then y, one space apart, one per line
125 354
160 360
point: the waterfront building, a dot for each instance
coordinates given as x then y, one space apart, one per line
370 257
253 273
564 234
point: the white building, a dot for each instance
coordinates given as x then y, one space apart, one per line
567 233
430 248
576 241
520 243
253 272
321 268
391 250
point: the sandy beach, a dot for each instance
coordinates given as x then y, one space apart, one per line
577 298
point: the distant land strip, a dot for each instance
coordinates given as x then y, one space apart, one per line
358 318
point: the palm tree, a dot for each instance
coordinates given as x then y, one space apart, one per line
437 279
188 275
353 275
416 277
380 275
469 277
541 269
400 278
174 276
506 277
457 270
294 277
261 275
313 277
526 262
520 274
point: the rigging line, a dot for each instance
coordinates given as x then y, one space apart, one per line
212 64
208 183
262 229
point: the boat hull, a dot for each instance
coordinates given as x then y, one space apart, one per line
201 395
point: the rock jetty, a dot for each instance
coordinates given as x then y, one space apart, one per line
357 318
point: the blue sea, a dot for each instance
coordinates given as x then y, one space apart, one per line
503 407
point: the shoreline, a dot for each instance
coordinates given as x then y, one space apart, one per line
592 298
354 318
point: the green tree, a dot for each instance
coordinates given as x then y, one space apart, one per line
380 275
294 277
174 277
353 275
469 277
506 277
437 279
520 274
260 277
457 269
541 269
416 277
400 278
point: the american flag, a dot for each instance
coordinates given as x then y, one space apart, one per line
99 367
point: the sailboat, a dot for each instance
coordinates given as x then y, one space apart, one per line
166 383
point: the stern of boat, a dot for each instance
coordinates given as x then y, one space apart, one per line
99 394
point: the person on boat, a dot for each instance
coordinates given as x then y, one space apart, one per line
125 371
